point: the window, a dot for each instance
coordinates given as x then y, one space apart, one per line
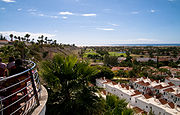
136 101
146 106
129 98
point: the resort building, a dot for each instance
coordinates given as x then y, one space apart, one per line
138 95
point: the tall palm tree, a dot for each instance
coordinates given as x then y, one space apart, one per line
11 36
27 37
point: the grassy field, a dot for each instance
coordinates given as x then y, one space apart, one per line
92 53
117 54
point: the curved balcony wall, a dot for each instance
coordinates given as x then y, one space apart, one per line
22 93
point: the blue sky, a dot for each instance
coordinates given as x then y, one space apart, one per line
93 22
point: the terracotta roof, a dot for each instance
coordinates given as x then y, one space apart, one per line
138 110
104 92
143 83
169 90
163 102
146 84
4 40
127 87
108 80
140 82
171 84
122 85
121 68
158 87
178 95
133 79
152 80
171 105
166 86
147 96
136 93
114 83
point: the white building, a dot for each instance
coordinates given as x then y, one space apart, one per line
142 101
175 81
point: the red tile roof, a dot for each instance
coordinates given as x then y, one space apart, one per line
127 87
133 79
121 68
171 84
104 92
4 40
171 105
166 86
122 85
178 95
114 83
158 87
136 93
147 96
108 80
152 80
169 90
140 82
163 102
143 83
138 110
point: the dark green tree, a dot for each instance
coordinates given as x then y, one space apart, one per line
68 80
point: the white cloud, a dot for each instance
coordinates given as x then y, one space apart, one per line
105 29
55 17
88 14
152 11
32 35
3 8
41 15
113 24
135 12
19 9
66 13
8 1
64 17
31 10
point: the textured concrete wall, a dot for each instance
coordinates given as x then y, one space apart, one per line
41 109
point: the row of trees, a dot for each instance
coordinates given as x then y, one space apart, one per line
41 39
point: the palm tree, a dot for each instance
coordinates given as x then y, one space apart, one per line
11 36
68 80
19 38
116 106
15 37
46 39
27 37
